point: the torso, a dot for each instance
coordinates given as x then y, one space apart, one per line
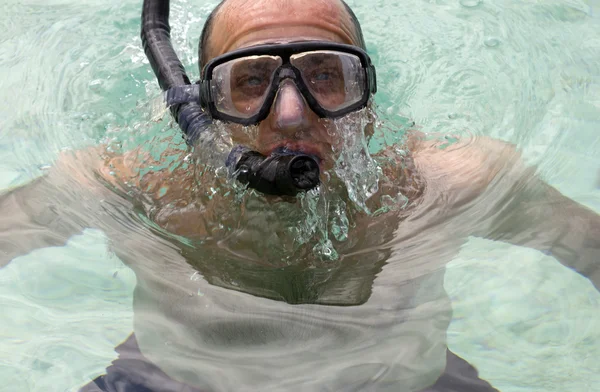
236 317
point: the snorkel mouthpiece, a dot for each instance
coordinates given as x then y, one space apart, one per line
278 174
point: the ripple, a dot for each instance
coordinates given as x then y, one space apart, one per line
532 316
75 72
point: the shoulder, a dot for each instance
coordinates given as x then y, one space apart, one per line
133 172
468 165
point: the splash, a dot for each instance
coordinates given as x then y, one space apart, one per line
354 165
213 146
325 215
319 220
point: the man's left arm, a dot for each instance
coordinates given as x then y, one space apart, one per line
540 217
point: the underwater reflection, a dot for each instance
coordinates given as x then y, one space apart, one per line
326 290
236 288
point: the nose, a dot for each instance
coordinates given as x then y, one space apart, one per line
290 112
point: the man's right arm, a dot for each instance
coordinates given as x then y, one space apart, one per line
32 219
51 209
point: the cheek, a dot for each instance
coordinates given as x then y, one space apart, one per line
265 135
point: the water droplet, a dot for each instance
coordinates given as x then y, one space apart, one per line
339 223
325 250
491 42
221 172
388 201
400 151
470 3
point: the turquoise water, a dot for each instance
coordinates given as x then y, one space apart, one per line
74 75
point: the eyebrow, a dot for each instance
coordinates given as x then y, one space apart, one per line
258 65
279 42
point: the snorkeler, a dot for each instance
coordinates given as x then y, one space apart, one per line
287 257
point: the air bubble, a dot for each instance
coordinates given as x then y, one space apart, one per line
400 151
491 42
470 3
388 201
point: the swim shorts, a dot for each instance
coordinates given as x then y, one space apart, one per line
132 372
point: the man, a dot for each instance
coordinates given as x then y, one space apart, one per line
377 247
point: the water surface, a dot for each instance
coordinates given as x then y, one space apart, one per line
74 75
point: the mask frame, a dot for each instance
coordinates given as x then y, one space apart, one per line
286 71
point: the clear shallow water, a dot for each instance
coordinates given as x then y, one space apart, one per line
74 74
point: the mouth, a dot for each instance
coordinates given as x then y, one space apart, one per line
295 147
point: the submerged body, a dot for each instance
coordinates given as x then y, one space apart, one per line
223 310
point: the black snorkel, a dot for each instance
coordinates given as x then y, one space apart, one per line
281 173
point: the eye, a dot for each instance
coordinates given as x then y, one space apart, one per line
327 75
323 76
253 81
251 85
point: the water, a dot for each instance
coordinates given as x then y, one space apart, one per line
74 75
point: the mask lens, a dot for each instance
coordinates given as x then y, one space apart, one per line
335 79
239 87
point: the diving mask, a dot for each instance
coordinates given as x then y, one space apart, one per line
240 86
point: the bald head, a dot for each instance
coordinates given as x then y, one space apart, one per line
229 15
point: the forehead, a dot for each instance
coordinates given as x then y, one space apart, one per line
242 23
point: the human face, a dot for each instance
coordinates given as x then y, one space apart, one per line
291 124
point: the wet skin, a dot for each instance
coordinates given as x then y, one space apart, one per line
390 268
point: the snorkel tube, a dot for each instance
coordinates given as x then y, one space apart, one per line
281 173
